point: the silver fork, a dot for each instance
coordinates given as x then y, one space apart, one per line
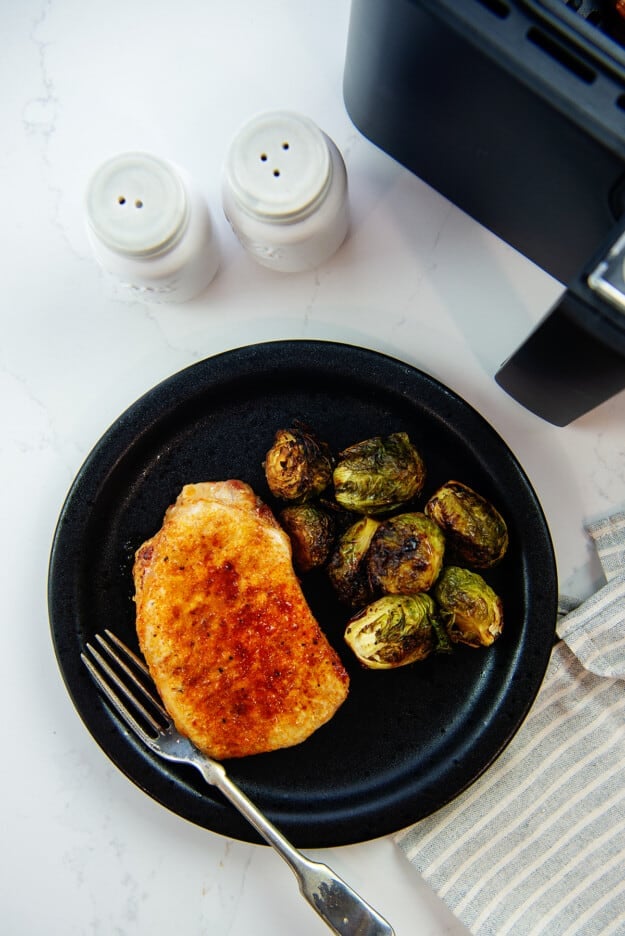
342 909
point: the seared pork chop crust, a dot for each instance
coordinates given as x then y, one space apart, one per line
234 650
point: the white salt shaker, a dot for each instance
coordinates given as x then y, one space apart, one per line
150 228
285 192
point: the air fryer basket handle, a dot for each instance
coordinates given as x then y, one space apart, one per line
575 359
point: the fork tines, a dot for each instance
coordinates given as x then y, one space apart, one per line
121 674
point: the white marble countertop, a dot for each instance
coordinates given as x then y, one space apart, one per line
84 850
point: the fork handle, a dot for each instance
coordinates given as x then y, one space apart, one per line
343 910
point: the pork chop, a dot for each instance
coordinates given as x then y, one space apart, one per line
239 661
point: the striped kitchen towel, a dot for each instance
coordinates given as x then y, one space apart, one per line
537 844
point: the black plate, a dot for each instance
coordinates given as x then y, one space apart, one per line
406 741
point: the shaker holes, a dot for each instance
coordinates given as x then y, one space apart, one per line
121 200
263 158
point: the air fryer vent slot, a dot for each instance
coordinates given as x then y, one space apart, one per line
498 7
561 54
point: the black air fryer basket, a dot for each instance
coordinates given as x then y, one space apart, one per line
515 111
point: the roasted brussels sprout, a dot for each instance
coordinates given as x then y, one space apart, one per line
298 466
311 531
470 610
347 570
379 474
475 531
342 518
406 554
395 630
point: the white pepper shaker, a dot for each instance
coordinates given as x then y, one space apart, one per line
285 192
150 228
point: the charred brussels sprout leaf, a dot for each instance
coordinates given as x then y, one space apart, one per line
475 531
311 531
471 610
379 474
394 631
406 554
347 569
298 466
